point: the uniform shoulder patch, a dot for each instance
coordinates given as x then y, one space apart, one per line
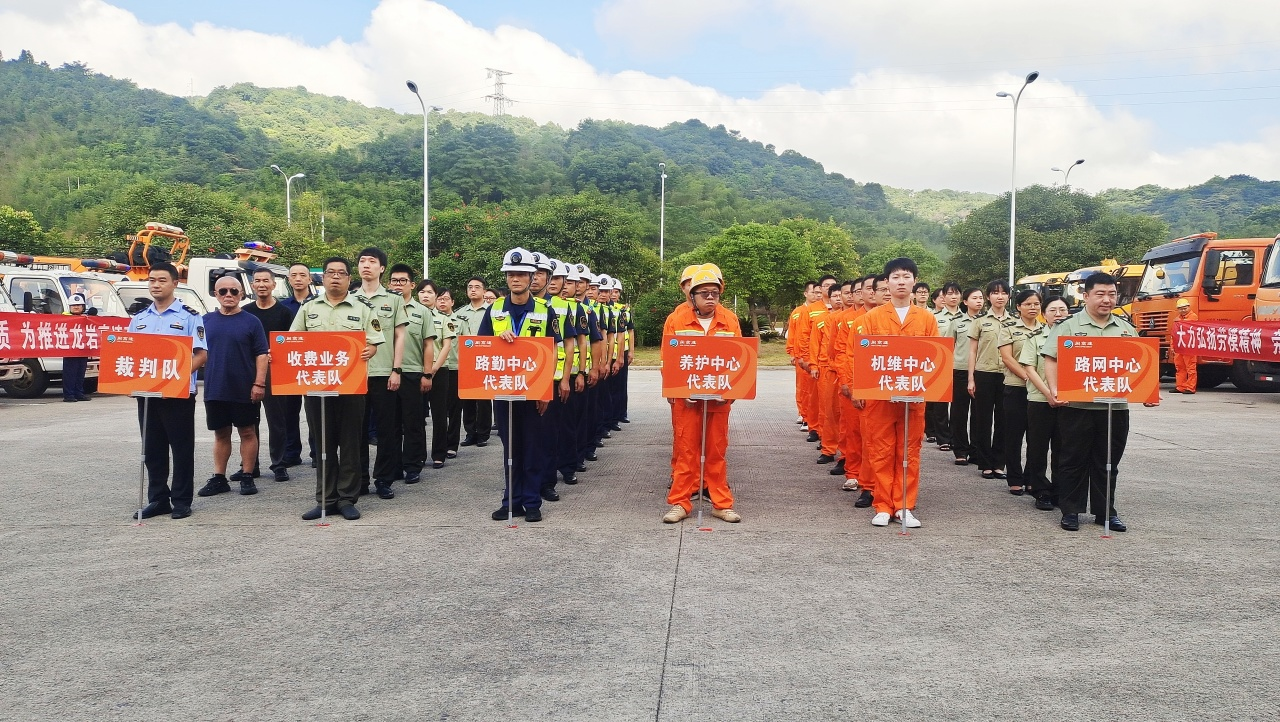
190 310
376 326
200 332
363 300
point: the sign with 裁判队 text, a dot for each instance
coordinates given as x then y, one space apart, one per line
1119 367
1253 341
307 362
490 368
723 366
28 335
885 367
144 363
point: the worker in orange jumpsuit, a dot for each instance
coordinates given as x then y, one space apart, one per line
875 293
702 316
895 488
1185 379
850 444
793 327
825 376
813 310
668 327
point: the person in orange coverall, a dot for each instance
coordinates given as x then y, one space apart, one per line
804 335
702 316
850 464
892 494
1185 380
822 372
793 328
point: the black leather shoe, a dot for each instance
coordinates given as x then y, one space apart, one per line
412 477
864 500
437 465
1016 490
1070 522
599 444
1044 503
315 513
155 508
217 484
615 427
838 469
581 468
626 421
533 515
281 474
182 512
592 457
349 512
825 458
469 441
501 514
482 443
1116 524
384 491
813 436
571 479
550 494
606 435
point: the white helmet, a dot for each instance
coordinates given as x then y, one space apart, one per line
518 259
617 284
571 272
559 268
584 273
76 300
603 281
541 261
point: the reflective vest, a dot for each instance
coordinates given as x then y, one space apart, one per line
535 321
561 308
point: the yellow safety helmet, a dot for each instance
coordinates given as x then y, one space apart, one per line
1183 303
704 277
688 273
713 268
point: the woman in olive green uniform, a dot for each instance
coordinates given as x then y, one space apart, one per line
986 383
958 329
1012 339
1042 413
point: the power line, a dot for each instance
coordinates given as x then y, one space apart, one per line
499 97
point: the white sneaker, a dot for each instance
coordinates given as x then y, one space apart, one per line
912 522
880 519
850 485
799 419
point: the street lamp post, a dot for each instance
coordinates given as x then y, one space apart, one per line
1013 190
1066 174
426 184
288 193
662 214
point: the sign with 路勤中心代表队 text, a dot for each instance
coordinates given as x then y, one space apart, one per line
491 368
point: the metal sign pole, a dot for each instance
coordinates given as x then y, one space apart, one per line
320 396
702 458
146 397
906 402
511 469
1106 510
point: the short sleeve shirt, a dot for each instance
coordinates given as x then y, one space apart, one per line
176 320
1081 324
1016 336
469 319
986 331
235 343
416 332
445 328
452 326
349 314
958 329
388 308
1032 356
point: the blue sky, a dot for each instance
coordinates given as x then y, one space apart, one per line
898 91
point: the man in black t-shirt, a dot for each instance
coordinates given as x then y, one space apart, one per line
281 424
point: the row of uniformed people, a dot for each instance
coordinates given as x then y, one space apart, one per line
996 356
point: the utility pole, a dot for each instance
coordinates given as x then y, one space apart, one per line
499 96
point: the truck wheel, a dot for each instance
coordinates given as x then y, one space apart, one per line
32 384
1211 376
1242 377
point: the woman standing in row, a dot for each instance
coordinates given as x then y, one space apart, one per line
1012 339
986 382
1042 410
958 329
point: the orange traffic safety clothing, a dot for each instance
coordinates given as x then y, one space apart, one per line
686 422
793 322
850 416
804 335
1185 378
894 487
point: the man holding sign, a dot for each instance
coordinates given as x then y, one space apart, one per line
170 423
1084 424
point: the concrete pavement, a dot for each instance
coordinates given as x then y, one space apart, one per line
426 609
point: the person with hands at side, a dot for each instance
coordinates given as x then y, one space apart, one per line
1184 364
556 419
383 406
793 329
419 336
850 464
299 293
275 317
961 400
985 383
444 306
338 473
477 414
1043 436
825 376
1084 425
74 367
1012 339
436 374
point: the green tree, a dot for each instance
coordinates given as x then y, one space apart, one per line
831 245
21 233
761 263
928 262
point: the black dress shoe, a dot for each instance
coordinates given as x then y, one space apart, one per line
838 469
1116 524
482 443
1070 522
180 512
349 512
315 513
1016 490
437 465
469 441
825 458
581 468
384 490
501 514
281 474
1044 503
155 508
615 427
813 436
412 477
570 479
592 457
606 435
864 500
599 444
626 421
550 494
533 515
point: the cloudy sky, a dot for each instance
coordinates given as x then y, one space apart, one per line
900 92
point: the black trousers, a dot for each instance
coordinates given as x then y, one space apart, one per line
412 427
340 444
936 422
446 412
1015 428
1084 459
382 409
986 447
73 371
622 392
477 418
293 431
959 411
276 410
1043 439
523 447
170 429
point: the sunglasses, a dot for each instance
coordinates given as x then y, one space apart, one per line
228 292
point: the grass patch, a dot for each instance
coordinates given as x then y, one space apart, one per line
772 353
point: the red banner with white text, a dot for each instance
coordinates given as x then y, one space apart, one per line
1250 340
30 335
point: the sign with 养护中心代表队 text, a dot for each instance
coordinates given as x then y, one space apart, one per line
1122 368
30 335
144 363
723 366
491 368
888 367
309 362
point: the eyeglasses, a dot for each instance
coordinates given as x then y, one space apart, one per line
707 295
336 274
398 281
228 292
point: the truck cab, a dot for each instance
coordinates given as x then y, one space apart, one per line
1221 278
11 369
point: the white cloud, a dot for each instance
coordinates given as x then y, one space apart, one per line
908 128
659 26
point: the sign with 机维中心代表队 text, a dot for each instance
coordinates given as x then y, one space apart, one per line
491 368
723 366
309 362
1123 368
888 367
146 363
29 335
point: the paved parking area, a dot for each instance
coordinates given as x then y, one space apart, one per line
426 609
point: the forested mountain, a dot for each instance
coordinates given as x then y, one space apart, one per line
1239 206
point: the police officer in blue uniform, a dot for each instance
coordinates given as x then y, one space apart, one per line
555 420
520 423
170 423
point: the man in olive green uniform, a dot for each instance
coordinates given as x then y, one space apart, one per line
477 414
452 324
338 479
383 405
419 335
441 383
